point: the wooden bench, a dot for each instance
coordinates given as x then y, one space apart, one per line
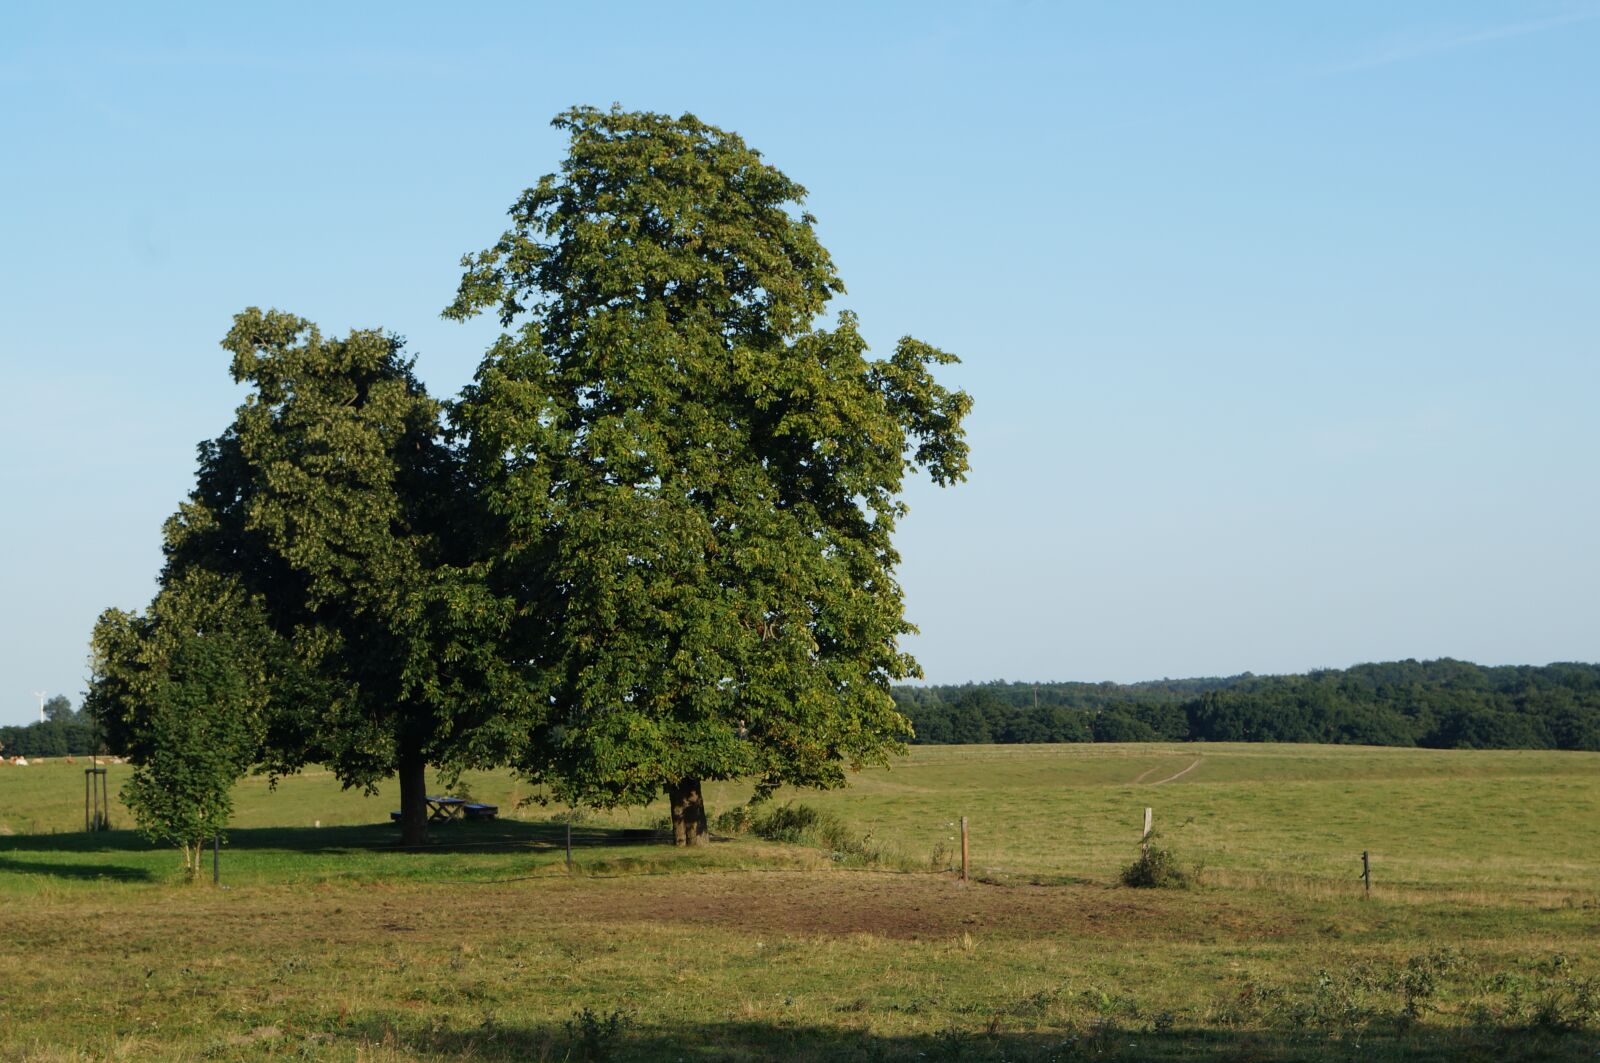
442 809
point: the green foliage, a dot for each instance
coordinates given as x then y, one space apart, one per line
51 738
1158 867
796 823
334 505
59 710
1113 725
1442 704
736 820
340 500
183 690
656 546
799 824
63 732
594 1035
688 487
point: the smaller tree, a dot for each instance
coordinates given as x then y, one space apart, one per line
183 691
335 501
59 710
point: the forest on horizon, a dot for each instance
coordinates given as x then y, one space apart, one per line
1441 704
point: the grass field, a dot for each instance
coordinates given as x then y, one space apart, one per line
1481 939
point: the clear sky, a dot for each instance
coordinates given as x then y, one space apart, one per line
1282 320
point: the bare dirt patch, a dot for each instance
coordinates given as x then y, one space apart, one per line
894 905
909 907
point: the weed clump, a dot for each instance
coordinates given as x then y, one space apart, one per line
594 1036
736 820
1158 868
798 824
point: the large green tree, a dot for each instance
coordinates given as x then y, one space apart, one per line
335 501
688 485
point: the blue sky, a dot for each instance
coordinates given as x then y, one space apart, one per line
1281 320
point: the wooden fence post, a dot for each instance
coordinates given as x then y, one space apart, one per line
1144 839
963 848
1366 875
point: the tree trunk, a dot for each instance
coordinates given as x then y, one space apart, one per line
413 799
688 812
675 803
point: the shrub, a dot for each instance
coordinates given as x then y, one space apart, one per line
804 825
736 820
797 824
1158 868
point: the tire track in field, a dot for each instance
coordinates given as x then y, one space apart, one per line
1180 774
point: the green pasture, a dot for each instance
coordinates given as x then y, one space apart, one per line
1507 822
1481 939
1496 822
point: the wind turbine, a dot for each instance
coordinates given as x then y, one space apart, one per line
40 695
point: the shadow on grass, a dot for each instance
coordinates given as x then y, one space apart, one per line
75 871
590 1036
455 836
478 837
106 841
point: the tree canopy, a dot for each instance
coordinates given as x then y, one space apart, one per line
650 545
334 502
690 486
183 689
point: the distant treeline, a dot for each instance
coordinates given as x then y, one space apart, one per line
64 732
1443 704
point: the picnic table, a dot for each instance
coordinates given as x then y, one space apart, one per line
442 809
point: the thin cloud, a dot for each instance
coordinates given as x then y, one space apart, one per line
1438 43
